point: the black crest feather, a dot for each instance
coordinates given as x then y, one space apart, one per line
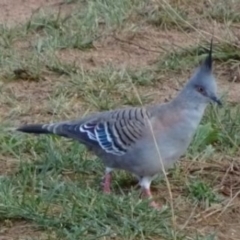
208 61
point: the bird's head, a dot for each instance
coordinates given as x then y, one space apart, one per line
202 87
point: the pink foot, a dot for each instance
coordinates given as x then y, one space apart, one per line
155 205
107 183
147 194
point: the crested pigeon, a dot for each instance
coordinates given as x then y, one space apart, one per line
132 138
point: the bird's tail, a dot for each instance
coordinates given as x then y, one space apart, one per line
38 128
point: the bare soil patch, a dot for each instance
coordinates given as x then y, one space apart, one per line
134 50
17 11
30 100
18 230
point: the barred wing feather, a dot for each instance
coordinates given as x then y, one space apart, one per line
114 133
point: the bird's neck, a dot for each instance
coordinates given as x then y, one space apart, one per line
189 103
187 100
191 112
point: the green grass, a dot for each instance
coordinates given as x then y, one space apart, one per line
55 183
201 191
167 17
81 28
185 59
59 190
46 33
96 87
225 12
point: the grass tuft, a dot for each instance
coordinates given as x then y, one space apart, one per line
80 29
186 59
225 12
58 192
202 192
98 86
167 17
53 183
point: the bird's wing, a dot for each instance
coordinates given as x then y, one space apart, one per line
113 131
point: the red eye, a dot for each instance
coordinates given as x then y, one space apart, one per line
200 89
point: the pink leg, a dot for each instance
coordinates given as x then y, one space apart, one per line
107 183
145 183
147 194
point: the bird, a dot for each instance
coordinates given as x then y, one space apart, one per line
131 138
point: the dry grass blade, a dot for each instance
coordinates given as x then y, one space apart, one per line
162 164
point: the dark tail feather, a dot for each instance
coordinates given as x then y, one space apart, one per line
33 128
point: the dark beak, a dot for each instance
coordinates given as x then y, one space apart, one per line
216 100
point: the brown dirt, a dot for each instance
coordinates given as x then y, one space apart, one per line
15 11
134 50
30 98
19 11
223 219
8 165
19 230
122 50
